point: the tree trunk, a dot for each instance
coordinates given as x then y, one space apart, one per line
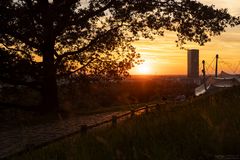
49 84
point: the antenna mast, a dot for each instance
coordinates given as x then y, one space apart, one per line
204 75
216 69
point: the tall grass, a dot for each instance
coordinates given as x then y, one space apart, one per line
203 129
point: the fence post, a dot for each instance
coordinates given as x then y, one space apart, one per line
114 121
158 107
146 109
84 129
132 113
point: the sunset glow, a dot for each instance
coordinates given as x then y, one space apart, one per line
163 57
144 69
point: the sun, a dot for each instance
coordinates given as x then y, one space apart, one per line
144 69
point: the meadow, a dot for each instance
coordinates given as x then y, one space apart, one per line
206 127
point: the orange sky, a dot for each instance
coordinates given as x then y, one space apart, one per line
163 57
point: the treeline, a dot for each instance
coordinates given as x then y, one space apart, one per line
79 95
123 93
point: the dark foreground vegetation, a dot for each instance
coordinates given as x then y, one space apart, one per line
79 97
206 128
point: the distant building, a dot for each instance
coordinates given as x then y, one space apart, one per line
193 63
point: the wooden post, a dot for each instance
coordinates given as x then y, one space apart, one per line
84 129
146 109
114 121
158 108
132 113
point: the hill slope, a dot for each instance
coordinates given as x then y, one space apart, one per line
206 128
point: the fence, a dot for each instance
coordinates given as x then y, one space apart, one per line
114 119
85 128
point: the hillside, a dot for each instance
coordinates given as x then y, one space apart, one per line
206 128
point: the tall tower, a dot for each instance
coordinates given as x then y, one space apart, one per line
193 63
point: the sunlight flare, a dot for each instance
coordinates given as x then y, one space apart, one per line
144 68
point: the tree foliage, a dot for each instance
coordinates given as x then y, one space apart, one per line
93 38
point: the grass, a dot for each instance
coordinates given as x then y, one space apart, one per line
203 129
90 111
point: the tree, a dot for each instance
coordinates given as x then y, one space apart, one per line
63 37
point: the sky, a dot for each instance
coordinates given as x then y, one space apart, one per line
162 57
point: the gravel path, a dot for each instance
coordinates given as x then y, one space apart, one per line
17 139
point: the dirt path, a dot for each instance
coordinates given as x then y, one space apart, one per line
14 140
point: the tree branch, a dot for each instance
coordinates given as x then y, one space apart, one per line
92 14
33 17
17 50
80 68
23 38
83 19
91 43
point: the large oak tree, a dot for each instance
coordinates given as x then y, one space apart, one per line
52 39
